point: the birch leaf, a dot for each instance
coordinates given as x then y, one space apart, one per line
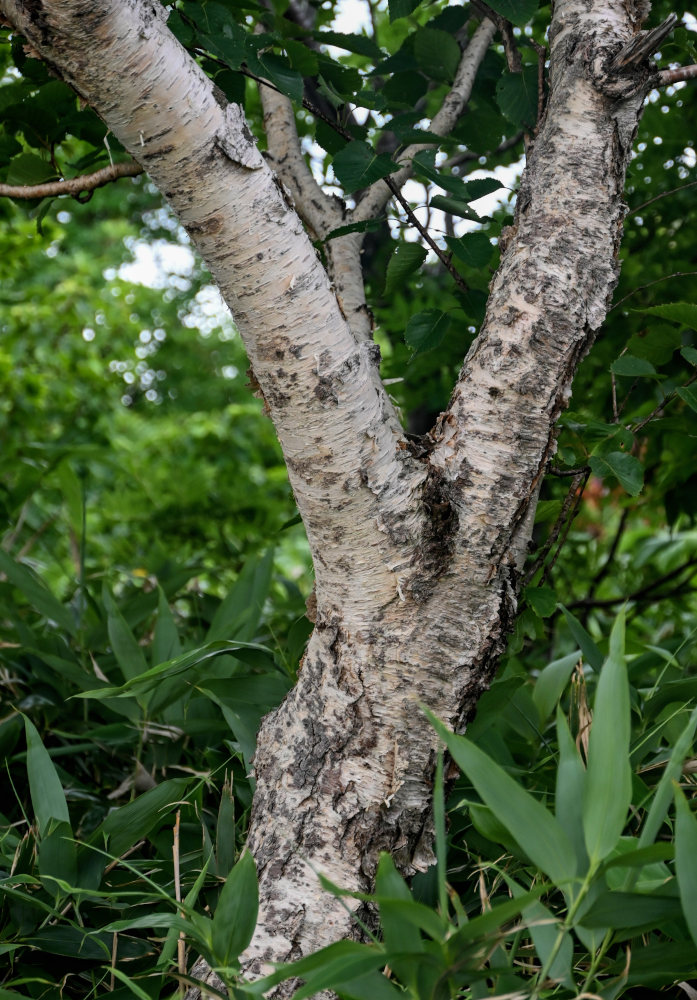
358 166
426 330
406 258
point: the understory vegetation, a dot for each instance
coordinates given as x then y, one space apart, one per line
154 574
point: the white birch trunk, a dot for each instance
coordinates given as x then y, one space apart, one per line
416 553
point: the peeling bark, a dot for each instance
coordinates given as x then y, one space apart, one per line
416 551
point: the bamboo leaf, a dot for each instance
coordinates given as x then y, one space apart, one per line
236 913
47 795
686 859
533 827
608 788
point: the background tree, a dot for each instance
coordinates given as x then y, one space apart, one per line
418 545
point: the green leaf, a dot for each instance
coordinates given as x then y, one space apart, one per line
627 469
401 8
684 313
590 651
473 249
406 258
368 226
47 795
689 354
630 909
362 45
551 683
129 655
225 832
128 824
399 935
569 790
516 94
455 206
39 596
545 929
542 600
426 330
239 614
608 789
688 393
532 826
686 859
27 169
517 11
437 53
664 791
236 913
358 166
137 990
632 367
58 855
165 643
278 71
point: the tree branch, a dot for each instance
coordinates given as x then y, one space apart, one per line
668 76
74 185
319 211
442 123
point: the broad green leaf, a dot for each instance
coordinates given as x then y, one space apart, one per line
542 600
608 789
437 53
362 45
569 790
590 651
129 655
128 824
239 613
535 829
225 832
165 643
27 168
544 929
236 913
47 795
517 11
686 859
664 792
516 94
473 249
632 367
368 226
58 856
455 206
689 354
627 469
147 920
137 990
399 935
426 330
357 166
279 72
371 986
406 258
688 394
401 8
684 313
551 683
37 594
337 963
639 910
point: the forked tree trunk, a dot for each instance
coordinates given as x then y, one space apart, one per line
417 551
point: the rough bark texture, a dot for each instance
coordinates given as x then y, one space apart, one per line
416 551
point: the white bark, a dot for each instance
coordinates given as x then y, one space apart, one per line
415 553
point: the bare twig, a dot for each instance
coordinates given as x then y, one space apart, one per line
467 155
668 76
181 946
641 288
75 185
642 594
566 515
664 402
664 194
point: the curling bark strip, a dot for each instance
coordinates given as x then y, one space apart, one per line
416 548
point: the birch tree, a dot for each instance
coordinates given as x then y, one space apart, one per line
418 544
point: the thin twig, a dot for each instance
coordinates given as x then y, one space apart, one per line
641 288
558 524
663 194
642 593
467 155
664 402
668 76
74 185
